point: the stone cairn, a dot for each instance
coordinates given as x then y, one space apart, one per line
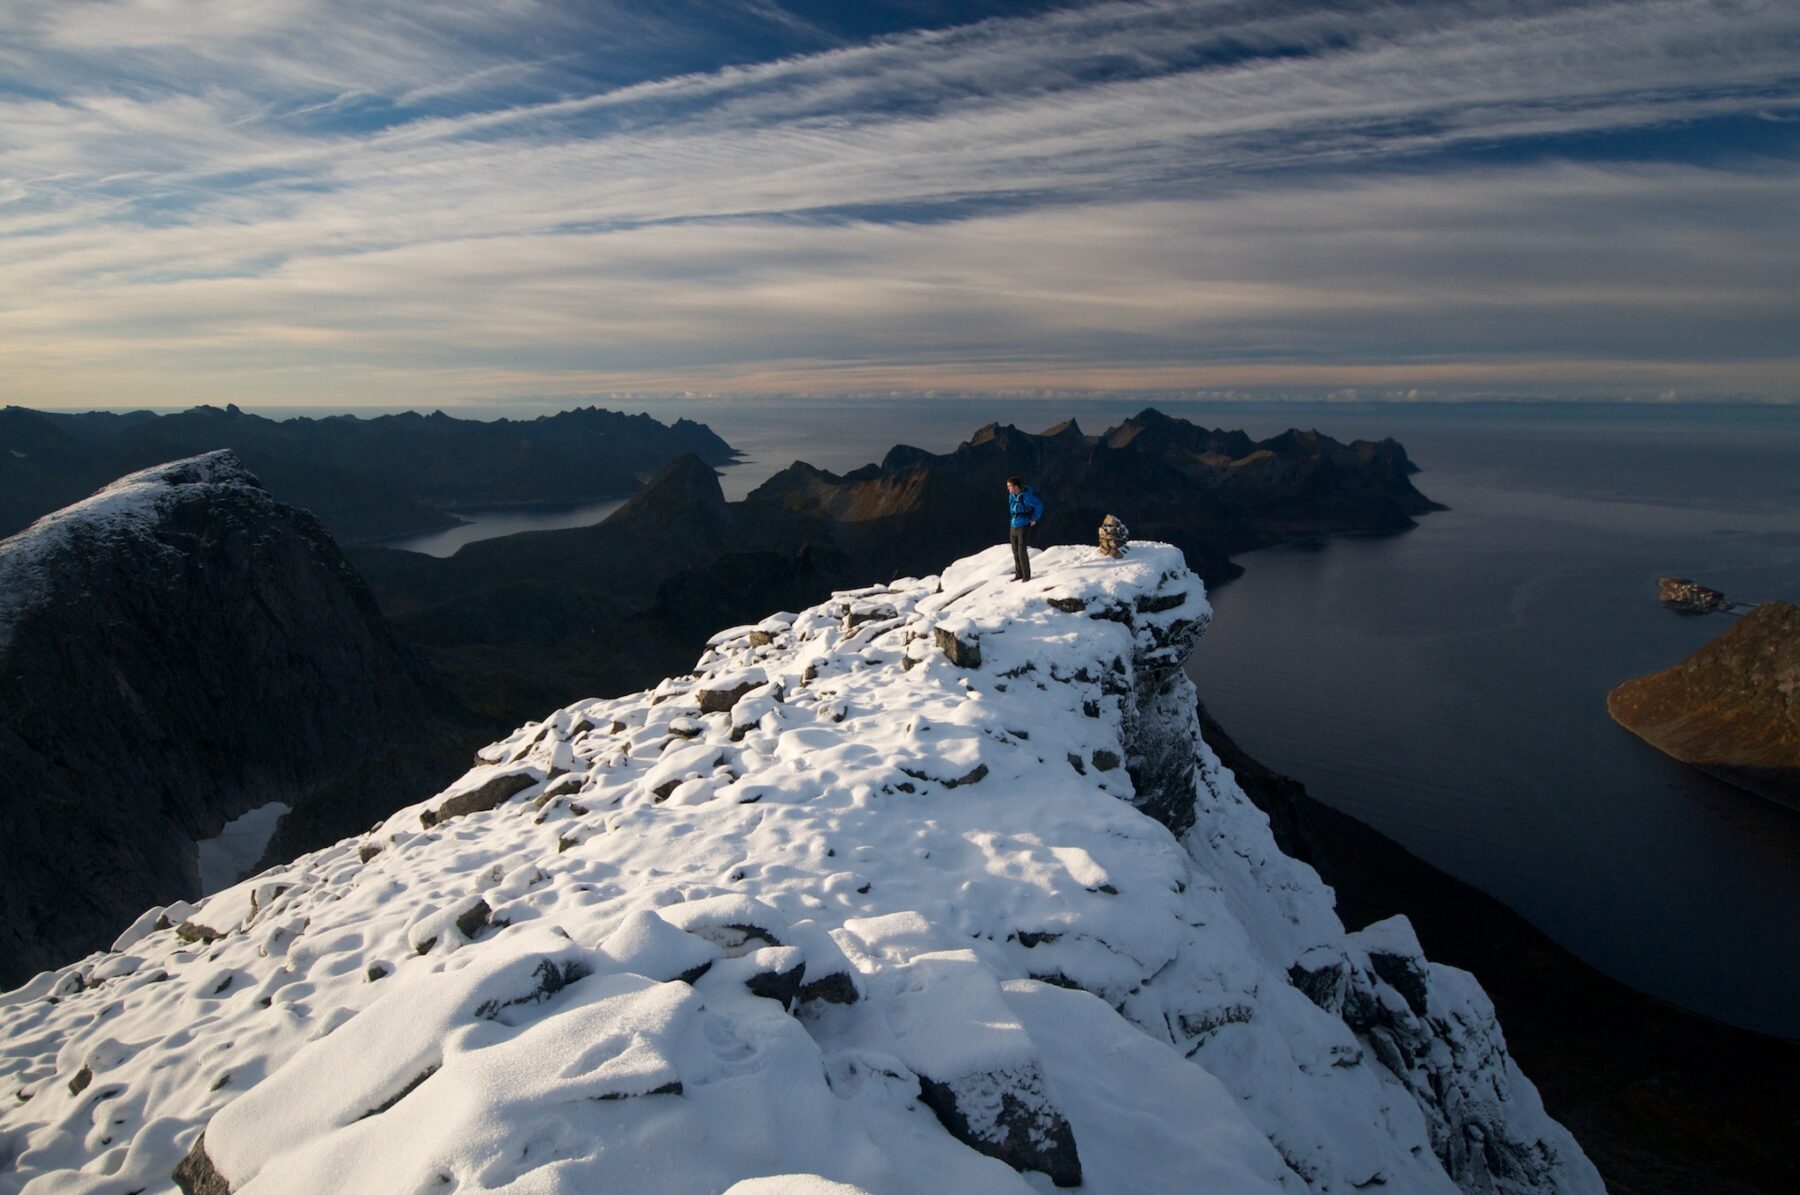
1114 535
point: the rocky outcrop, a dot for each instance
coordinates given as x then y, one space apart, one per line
174 651
1732 708
1021 976
1690 597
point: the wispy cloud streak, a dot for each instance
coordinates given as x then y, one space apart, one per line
370 193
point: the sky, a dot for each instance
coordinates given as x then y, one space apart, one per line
338 203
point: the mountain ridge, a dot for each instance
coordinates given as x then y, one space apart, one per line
366 479
677 559
927 886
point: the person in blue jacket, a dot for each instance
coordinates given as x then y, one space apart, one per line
1026 508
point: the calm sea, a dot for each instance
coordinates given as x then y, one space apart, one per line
1448 685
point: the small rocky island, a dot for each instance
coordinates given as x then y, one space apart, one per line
1732 708
1690 597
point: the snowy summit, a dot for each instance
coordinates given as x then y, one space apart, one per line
933 887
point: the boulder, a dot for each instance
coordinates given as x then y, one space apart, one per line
482 797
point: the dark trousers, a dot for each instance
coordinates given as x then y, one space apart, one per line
1021 558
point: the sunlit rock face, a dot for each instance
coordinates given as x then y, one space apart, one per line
1732 708
932 887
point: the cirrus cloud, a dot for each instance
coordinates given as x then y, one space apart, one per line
315 201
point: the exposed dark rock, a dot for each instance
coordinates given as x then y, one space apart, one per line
856 616
474 920
196 1175
719 701
1105 761
1156 603
835 988
974 776
495 791
780 986
80 1082
1405 974
563 786
412 1085
673 1087
548 978
964 653
1322 983
1027 1133
1196 1025
1732 708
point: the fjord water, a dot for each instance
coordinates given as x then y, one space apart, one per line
1448 685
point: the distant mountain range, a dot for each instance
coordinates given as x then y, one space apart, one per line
530 620
365 479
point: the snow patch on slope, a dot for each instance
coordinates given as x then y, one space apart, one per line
127 507
876 897
228 856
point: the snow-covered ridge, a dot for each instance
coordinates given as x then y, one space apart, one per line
125 507
932 887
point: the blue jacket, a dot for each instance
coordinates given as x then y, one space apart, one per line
1025 507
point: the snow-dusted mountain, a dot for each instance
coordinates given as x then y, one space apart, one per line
177 650
933 887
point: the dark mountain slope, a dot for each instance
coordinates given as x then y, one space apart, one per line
174 651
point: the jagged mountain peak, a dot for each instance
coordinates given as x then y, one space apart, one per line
919 889
684 488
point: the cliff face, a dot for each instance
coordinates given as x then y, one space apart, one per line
174 651
916 890
1732 708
